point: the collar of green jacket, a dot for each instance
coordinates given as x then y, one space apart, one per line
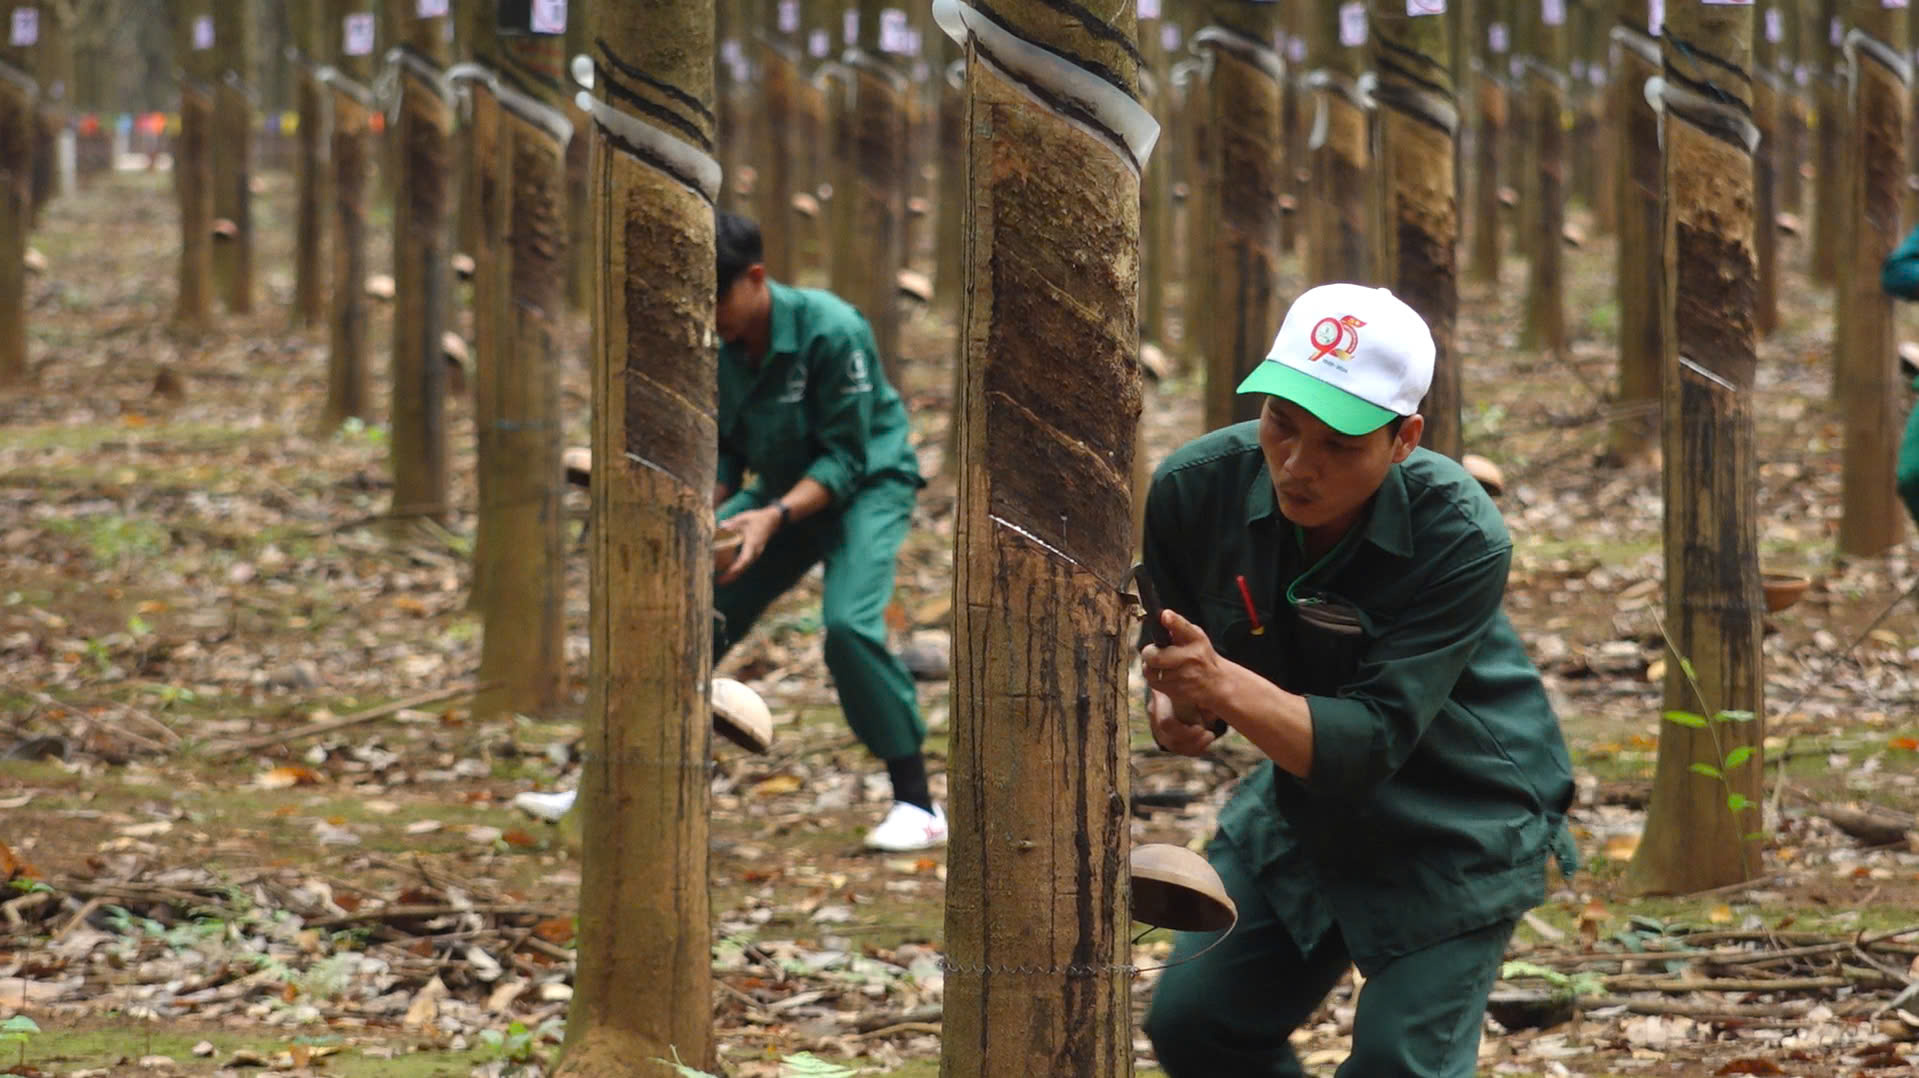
1389 520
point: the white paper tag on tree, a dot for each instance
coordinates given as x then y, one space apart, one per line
1497 39
818 44
789 16
1169 36
850 27
435 9
357 39
1656 17
1149 9
1352 25
1552 12
1775 25
202 33
1416 8
549 16
893 31
26 27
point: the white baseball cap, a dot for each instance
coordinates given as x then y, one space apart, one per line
1353 356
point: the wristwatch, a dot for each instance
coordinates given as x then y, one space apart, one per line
786 514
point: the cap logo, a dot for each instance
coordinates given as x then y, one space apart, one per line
1336 337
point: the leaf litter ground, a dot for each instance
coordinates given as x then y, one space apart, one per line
188 564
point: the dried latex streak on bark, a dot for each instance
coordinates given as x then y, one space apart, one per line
531 109
401 62
1699 110
339 80
1858 41
1110 107
1358 91
695 169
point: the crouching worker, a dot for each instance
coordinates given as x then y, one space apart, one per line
1333 594
1900 277
806 409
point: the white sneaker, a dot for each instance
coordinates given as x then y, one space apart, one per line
545 806
908 828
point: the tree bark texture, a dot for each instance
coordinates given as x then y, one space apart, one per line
1766 92
522 651
421 275
1340 241
1419 221
949 276
1156 201
1872 518
644 987
1832 219
843 255
1694 840
232 153
1544 87
875 184
482 223
1193 147
19 96
1493 29
309 257
780 59
1641 260
348 376
1247 177
1797 72
192 179
1037 892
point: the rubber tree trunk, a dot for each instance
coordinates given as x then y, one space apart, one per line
482 225
1156 200
1640 272
1544 87
874 183
813 145
1340 242
781 55
1418 230
232 153
421 275
1872 518
1829 180
1793 110
348 376
309 216
1766 93
19 94
1247 174
1493 36
1295 112
1193 147
644 907
949 274
1697 827
843 253
192 177
53 70
522 651
1036 895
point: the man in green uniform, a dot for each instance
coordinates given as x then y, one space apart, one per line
1333 594
806 410
1900 277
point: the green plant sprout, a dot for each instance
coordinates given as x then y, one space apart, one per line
19 1029
1565 988
1729 761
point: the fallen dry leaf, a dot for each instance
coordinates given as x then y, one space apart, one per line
288 775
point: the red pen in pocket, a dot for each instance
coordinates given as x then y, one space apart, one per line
1246 596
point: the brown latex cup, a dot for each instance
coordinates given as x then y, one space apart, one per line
1782 590
726 547
1175 888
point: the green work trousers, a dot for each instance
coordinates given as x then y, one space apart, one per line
1232 1010
859 545
1908 468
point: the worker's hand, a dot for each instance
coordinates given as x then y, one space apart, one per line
1175 733
1188 670
755 528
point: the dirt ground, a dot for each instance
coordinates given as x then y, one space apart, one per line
188 560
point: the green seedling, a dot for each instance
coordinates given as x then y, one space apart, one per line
803 1065
1564 987
19 1029
1730 760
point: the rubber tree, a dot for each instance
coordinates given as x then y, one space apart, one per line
1418 230
1640 269
644 989
1705 810
1339 243
483 202
872 183
1872 518
782 55
1247 177
308 24
1544 86
1492 37
1831 212
354 32
19 96
422 279
232 153
522 655
192 166
1036 896
1767 91
1156 194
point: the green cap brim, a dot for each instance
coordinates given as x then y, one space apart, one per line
1332 405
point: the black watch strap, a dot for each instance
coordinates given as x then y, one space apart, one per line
786 514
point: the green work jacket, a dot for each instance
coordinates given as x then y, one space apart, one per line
818 405
1440 780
